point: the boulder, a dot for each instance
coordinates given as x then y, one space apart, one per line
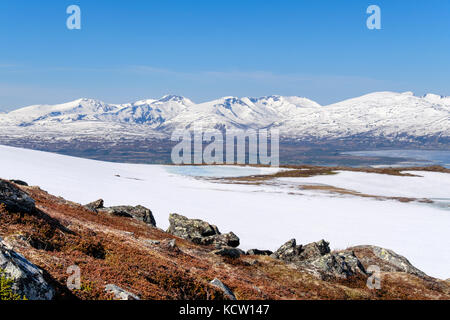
15 199
257 252
291 252
226 291
120 293
95 206
138 212
229 252
219 240
339 265
387 260
28 279
190 229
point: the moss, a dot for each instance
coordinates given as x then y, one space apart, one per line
6 291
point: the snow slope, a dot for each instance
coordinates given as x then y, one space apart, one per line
262 216
380 114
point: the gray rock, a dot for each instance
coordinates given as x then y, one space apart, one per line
219 240
152 242
138 212
387 260
291 252
19 182
257 252
95 206
229 252
226 291
120 293
28 279
340 265
190 229
170 244
15 199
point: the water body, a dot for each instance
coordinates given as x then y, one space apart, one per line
219 171
409 158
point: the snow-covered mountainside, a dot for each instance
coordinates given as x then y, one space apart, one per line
383 114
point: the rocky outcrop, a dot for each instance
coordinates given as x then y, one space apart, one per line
95 205
226 291
257 252
339 265
15 199
120 293
291 252
138 212
387 260
200 232
316 258
28 279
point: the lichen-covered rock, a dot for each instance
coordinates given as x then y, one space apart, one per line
120 293
257 252
226 291
138 212
95 205
387 260
15 199
219 240
28 279
291 252
340 265
190 229
229 252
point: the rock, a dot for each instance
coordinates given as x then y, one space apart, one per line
387 260
19 182
288 252
152 242
94 206
315 250
190 229
291 252
226 291
15 199
219 240
257 252
170 244
229 252
28 279
341 265
120 293
138 212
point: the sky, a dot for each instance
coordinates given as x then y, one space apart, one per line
131 50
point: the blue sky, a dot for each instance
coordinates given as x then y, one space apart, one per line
130 50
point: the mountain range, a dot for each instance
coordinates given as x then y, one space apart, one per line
389 115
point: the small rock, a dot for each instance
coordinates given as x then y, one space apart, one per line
257 252
169 244
120 293
152 242
291 252
28 279
19 182
94 206
226 291
15 199
229 252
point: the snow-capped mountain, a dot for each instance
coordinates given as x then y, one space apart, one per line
380 114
